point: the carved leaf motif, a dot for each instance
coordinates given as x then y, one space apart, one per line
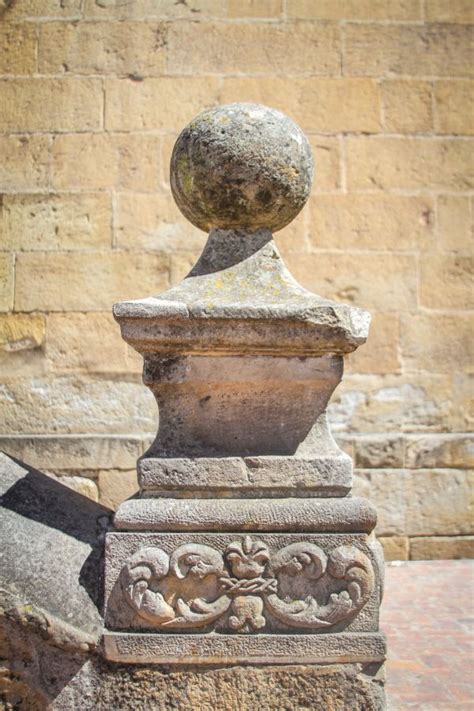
149 566
297 613
193 588
300 558
247 558
146 566
347 563
199 613
197 561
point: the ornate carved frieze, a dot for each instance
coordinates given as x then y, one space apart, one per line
246 585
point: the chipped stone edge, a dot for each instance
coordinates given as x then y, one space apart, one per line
329 475
52 629
149 327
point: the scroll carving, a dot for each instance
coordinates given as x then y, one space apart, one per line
299 585
346 563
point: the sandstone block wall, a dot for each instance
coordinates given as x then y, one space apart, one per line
92 94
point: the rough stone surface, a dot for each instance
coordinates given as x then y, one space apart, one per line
52 222
116 486
6 284
133 105
455 106
83 485
76 406
442 507
317 476
62 105
150 10
297 514
395 547
365 10
386 282
450 450
241 166
21 332
95 684
72 452
371 222
457 11
358 648
25 163
392 163
454 222
18 48
93 280
457 274
150 220
73 345
101 161
85 48
264 48
51 533
379 451
435 547
424 403
407 106
256 406
402 49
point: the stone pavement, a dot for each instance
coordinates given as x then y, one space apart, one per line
427 615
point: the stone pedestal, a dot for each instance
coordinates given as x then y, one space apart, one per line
245 545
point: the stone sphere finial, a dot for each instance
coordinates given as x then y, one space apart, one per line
241 166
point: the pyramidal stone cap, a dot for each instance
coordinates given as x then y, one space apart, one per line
241 172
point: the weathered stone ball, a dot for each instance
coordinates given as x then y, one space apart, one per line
241 166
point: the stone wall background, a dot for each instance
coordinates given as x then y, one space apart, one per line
92 95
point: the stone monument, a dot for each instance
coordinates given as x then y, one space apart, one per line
244 548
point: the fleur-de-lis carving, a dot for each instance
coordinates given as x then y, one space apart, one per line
192 588
247 558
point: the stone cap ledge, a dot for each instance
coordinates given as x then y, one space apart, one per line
266 330
348 514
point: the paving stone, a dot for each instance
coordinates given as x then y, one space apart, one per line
426 621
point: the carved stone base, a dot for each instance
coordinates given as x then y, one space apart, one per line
231 597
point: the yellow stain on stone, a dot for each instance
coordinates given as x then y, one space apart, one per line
20 332
184 172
